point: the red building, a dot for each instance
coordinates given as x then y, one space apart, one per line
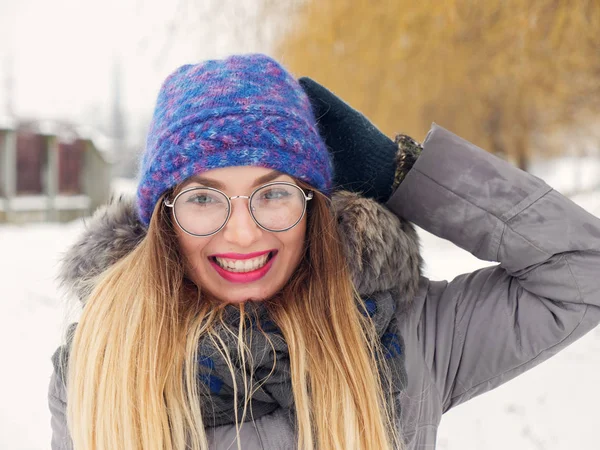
50 171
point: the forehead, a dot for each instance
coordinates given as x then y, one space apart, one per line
236 178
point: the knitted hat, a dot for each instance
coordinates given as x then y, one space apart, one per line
246 110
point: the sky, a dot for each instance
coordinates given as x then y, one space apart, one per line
62 54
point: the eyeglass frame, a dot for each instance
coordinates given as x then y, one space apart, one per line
307 197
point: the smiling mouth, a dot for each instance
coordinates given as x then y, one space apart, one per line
245 265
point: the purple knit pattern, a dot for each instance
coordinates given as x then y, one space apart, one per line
246 110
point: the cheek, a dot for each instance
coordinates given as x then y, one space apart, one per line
191 249
297 241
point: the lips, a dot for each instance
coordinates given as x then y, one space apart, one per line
243 268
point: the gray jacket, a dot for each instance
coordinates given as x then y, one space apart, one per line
462 338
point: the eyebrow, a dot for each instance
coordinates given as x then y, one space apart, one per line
218 185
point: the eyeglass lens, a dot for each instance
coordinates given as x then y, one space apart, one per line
275 207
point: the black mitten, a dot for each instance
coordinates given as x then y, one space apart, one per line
364 159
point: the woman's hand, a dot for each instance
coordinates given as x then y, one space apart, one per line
364 159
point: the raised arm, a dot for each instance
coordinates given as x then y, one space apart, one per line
496 323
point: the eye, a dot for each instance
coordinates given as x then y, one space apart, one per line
200 198
203 199
276 193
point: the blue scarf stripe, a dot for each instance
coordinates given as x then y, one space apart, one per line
391 344
213 383
206 362
370 306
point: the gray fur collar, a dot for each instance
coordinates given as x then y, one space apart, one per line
383 250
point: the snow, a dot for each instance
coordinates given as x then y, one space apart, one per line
569 174
32 320
28 203
6 122
41 202
63 202
552 407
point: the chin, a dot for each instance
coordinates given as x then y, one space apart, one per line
242 297
240 300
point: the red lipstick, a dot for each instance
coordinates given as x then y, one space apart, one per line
245 277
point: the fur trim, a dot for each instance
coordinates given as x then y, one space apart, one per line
382 250
111 233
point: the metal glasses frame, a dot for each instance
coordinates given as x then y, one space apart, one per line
307 197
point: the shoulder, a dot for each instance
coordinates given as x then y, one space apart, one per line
60 358
57 388
57 403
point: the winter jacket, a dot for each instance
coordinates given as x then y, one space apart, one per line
464 337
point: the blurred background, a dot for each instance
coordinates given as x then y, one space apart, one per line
78 81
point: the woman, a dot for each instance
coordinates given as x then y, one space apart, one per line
243 300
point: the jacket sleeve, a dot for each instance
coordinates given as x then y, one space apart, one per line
486 327
61 440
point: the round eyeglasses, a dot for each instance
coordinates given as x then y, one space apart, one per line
204 211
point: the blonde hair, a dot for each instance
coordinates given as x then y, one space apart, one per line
131 380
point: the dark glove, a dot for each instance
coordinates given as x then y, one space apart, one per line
364 159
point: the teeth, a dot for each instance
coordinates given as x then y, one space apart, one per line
241 266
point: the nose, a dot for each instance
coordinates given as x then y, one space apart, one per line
241 229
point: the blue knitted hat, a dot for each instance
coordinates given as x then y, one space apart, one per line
246 110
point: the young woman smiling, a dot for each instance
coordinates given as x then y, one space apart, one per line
275 228
257 293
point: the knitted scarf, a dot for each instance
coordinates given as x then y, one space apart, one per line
269 369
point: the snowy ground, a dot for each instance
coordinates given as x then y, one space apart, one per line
552 407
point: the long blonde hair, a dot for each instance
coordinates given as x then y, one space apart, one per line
132 371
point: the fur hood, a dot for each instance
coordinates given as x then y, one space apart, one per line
382 250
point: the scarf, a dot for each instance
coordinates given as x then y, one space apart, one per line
268 371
